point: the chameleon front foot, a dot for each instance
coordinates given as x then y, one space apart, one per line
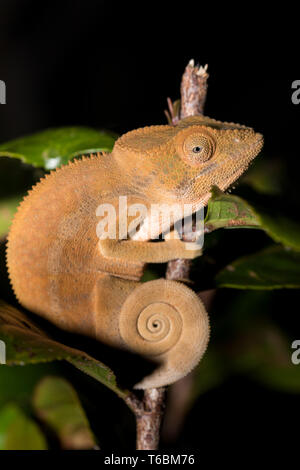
167 322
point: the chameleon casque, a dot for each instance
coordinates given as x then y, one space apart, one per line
62 271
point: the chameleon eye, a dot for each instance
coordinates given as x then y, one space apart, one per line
197 148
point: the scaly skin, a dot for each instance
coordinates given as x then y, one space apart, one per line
60 270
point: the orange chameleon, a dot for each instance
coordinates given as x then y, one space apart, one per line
62 271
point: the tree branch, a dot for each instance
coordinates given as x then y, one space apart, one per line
193 90
149 411
193 96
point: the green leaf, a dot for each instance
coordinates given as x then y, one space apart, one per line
8 208
54 147
276 267
229 211
28 344
18 432
56 403
225 210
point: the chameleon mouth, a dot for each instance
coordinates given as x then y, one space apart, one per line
222 186
232 177
255 149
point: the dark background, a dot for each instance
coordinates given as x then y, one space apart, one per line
83 62
110 65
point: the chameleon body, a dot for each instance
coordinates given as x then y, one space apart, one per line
62 271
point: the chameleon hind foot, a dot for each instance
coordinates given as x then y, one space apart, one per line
167 322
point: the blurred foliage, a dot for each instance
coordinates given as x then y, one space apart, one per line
17 383
265 177
57 406
19 432
246 341
8 208
275 267
56 403
252 344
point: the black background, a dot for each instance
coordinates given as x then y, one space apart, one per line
110 65
87 63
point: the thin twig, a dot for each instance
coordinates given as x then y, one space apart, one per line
148 414
193 90
193 95
149 411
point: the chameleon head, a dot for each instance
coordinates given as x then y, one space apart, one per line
212 153
183 162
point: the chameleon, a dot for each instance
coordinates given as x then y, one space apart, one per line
61 269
